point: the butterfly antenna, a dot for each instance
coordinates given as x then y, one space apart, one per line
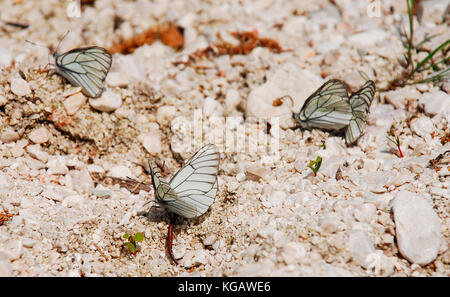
290 99
64 36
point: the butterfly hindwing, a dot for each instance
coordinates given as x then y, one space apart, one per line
360 104
86 67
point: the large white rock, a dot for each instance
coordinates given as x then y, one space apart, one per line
288 80
418 228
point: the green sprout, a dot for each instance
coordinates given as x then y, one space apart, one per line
323 145
131 244
315 165
396 141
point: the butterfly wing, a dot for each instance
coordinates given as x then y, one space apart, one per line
167 197
196 182
327 108
85 67
360 104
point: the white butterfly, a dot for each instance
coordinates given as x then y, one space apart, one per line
193 188
86 67
330 108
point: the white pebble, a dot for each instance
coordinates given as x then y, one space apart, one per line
9 135
20 87
57 165
36 152
240 177
109 101
74 102
165 113
152 143
39 135
120 171
423 127
361 248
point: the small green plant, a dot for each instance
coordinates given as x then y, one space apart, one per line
396 141
315 165
131 244
441 68
323 145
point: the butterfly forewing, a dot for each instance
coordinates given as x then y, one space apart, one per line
86 67
326 108
360 103
192 190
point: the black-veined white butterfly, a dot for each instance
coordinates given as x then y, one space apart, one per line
86 67
192 190
327 108
330 108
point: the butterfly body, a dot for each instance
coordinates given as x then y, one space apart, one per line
86 67
193 188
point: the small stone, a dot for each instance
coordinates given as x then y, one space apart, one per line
5 265
39 135
36 152
102 193
3 100
9 135
255 172
20 87
399 97
240 177
28 242
210 239
418 228
293 252
152 143
73 200
275 199
212 107
329 223
365 212
423 127
368 38
232 99
95 169
432 11
82 181
116 79
74 102
436 102
361 248
165 113
18 149
57 165
6 58
120 171
108 101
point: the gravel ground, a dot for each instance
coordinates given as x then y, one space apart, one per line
368 212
